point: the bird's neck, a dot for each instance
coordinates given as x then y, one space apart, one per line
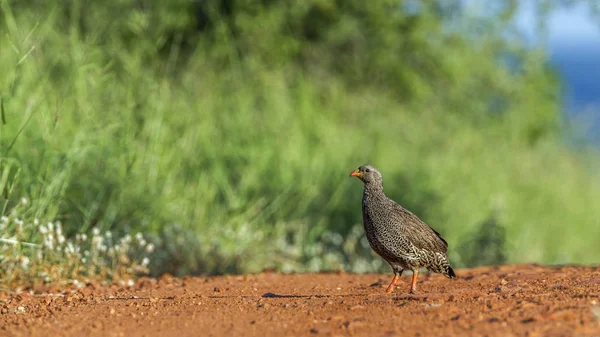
374 190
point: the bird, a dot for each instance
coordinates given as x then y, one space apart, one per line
403 240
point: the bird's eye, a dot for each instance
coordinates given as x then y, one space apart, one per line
367 170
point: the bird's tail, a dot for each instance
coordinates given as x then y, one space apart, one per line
450 273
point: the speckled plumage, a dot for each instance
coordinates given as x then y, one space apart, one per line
397 235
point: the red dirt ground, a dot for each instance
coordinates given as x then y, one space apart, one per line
520 300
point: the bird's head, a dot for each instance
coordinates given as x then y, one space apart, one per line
368 174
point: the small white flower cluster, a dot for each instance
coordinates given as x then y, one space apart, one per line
11 254
98 254
52 256
52 234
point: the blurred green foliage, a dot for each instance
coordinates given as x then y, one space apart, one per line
226 129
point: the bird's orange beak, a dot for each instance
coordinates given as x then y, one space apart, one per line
355 173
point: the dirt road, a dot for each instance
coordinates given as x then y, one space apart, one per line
522 300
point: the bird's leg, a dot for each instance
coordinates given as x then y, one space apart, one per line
399 273
413 284
394 282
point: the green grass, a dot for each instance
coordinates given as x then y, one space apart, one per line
241 168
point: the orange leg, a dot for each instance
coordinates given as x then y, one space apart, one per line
394 283
413 284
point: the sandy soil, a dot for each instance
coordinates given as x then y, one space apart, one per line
523 300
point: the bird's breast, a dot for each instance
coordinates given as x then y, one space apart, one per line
380 236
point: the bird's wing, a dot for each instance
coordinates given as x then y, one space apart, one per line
421 234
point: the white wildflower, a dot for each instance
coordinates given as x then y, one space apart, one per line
96 242
24 262
36 222
130 283
49 241
4 219
60 238
150 248
50 227
24 201
83 237
69 248
108 234
43 229
95 231
142 242
145 261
